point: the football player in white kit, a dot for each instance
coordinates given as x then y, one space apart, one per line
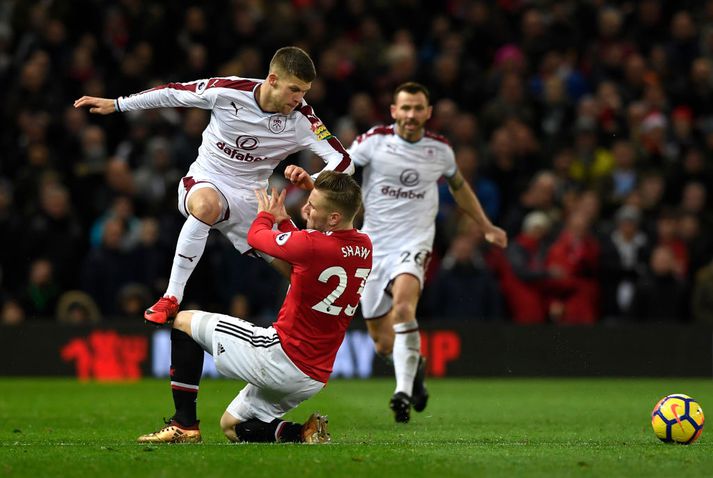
254 125
402 165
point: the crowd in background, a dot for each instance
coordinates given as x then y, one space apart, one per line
585 128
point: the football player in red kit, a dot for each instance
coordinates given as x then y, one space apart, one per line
290 361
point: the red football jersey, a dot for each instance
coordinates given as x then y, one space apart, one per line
329 271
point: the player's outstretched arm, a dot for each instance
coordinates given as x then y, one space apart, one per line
468 201
101 106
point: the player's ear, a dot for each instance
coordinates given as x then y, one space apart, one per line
272 79
393 111
430 112
334 218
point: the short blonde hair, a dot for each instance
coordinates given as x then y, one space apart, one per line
294 61
341 191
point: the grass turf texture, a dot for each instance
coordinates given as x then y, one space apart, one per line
477 427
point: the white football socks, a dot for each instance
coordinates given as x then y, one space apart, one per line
407 350
189 249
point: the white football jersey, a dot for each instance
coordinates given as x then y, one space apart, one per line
243 141
400 185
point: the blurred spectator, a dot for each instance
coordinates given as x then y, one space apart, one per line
11 263
554 111
624 260
77 308
694 200
503 168
11 313
618 182
702 305
592 160
123 210
648 198
464 287
156 178
668 235
107 268
188 139
468 161
682 137
574 258
151 258
510 101
660 294
40 295
527 254
697 240
56 234
652 140
692 168
562 161
540 195
133 299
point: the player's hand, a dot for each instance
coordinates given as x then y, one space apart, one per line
101 106
495 235
273 204
299 177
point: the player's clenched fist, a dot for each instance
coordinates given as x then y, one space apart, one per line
102 106
299 177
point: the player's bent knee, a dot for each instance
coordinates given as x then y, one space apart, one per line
205 205
207 213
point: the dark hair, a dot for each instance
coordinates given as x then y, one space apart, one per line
412 87
342 192
294 61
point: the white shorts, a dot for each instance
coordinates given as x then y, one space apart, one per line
239 206
254 354
376 297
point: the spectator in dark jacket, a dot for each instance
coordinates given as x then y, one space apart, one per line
464 287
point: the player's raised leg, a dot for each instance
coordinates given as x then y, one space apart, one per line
205 206
185 373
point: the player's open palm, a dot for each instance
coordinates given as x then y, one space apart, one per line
273 203
101 106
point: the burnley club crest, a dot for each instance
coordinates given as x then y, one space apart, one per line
277 123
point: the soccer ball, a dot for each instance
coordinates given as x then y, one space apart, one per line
677 418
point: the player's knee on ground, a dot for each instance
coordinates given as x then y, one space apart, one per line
182 321
227 424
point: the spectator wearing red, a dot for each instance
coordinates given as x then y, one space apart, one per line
522 283
573 297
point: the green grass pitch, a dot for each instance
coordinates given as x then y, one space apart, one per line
472 427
